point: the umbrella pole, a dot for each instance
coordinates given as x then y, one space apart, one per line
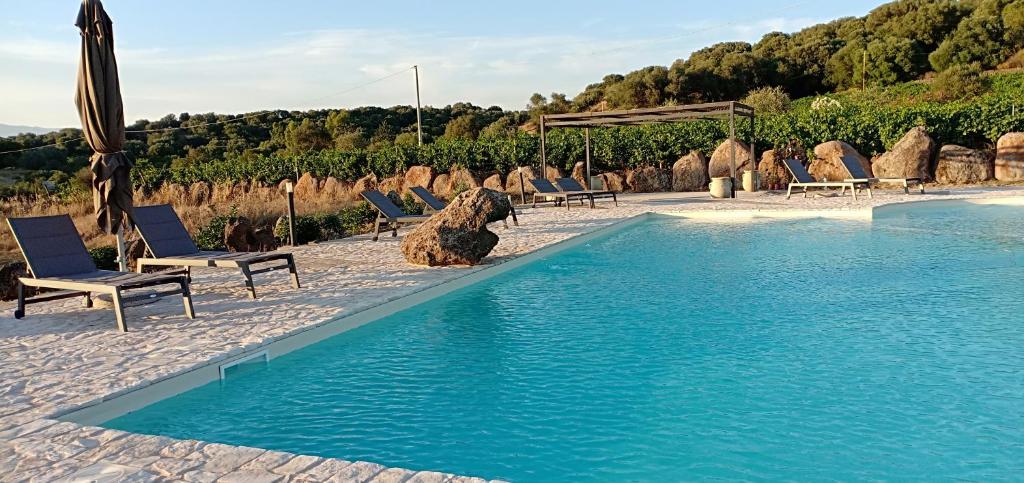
122 260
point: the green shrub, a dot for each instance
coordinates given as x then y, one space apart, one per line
211 236
768 100
959 82
105 258
411 206
357 218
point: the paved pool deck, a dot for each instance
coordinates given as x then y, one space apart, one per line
62 358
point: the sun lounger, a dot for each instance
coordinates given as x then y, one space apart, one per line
388 214
433 205
169 244
57 259
857 174
545 190
805 180
571 185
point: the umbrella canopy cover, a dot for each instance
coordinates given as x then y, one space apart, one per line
99 106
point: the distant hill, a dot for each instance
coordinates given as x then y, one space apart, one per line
9 130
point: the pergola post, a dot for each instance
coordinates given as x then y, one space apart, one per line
732 146
753 151
586 136
543 151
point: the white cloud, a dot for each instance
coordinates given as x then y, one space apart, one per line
302 70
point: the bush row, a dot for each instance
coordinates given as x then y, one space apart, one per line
869 128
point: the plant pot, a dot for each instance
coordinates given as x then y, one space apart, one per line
720 187
751 181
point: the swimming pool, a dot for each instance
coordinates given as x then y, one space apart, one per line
675 349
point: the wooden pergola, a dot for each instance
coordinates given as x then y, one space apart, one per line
656 115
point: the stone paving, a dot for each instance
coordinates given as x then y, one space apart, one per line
62 357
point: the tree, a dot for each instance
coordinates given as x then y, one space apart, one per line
305 136
976 39
466 126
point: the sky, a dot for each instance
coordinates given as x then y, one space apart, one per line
231 56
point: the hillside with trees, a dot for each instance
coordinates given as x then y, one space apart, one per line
907 40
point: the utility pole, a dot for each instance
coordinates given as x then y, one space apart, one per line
419 118
864 71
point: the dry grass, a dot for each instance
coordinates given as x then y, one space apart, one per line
196 206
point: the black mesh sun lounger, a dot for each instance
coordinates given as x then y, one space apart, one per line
57 259
169 244
388 214
858 175
805 180
546 192
571 185
433 205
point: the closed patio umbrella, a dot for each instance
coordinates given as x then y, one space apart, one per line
99 105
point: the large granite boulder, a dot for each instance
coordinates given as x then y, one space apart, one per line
307 186
458 235
911 157
721 159
368 182
393 183
649 179
440 185
774 174
579 173
828 163
512 184
239 235
690 172
494 182
613 181
420 176
463 179
456 181
960 165
1010 157
333 188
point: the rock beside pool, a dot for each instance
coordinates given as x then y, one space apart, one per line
773 172
648 179
911 157
960 165
512 184
458 234
690 172
613 182
828 162
494 182
1010 157
721 160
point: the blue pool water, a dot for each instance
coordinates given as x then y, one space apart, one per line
674 350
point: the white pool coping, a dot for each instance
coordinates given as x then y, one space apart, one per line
45 430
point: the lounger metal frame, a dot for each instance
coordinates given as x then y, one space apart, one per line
571 185
857 175
804 180
73 273
169 244
388 214
544 189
